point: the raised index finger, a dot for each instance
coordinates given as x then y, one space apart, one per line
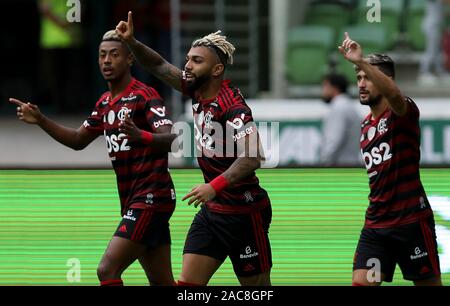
346 35
130 18
17 102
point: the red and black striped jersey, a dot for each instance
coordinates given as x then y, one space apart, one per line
390 146
220 127
143 177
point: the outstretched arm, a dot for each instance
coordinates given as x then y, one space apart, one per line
75 139
149 58
352 52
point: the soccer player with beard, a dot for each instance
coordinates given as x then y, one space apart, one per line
399 226
134 120
236 213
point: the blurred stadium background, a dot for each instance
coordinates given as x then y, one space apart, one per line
284 47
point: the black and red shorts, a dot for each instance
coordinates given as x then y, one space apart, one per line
413 247
145 226
242 237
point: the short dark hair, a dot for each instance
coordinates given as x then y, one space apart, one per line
383 61
338 81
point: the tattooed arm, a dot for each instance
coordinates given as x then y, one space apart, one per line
151 60
242 167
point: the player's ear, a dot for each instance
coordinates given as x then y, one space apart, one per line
130 59
218 70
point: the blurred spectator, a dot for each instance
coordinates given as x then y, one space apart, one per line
341 127
62 57
432 68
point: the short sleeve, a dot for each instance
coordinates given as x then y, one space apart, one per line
241 128
94 123
412 113
239 117
157 114
413 110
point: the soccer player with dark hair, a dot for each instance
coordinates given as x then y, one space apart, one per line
236 213
399 226
139 159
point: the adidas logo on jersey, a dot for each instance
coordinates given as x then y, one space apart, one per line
425 270
249 268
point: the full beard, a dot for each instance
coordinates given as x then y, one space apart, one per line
372 101
198 82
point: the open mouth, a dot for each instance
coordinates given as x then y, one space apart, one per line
363 93
190 77
107 71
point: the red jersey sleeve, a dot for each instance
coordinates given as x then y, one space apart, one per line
94 122
240 118
157 114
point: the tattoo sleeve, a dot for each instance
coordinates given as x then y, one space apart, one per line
154 63
246 163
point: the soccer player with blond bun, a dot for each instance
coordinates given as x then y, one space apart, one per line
136 126
399 226
235 212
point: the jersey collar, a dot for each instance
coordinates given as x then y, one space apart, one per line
124 93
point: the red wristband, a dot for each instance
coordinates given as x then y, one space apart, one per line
219 183
147 137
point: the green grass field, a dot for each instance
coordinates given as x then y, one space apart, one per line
49 217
